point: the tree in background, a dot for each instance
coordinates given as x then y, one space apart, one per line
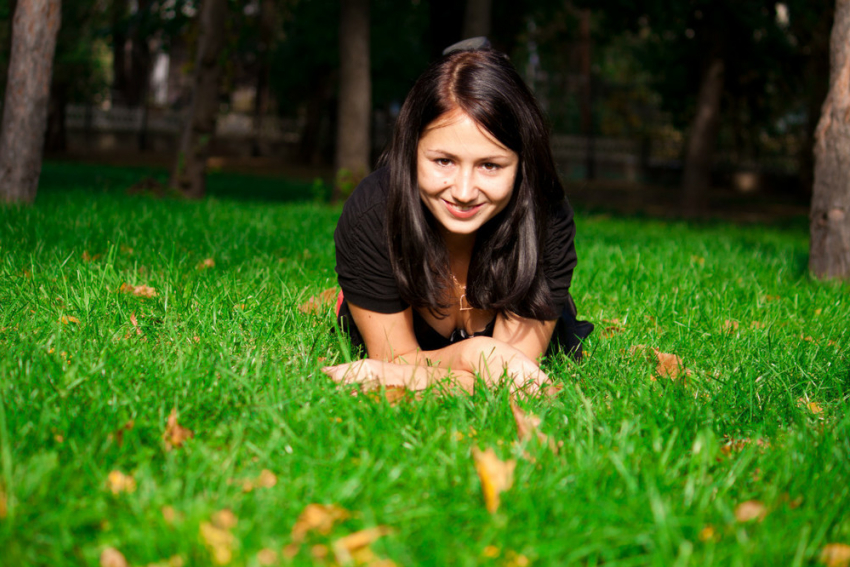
189 173
353 140
830 213
34 29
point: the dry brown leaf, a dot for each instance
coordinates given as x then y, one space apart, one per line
496 476
266 557
138 290
750 510
320 303
732 445
207 263
757 325
730 326
175 434
358 543
528 427
669 365
169 514
65 319
224 519
291 550
135 323
611 330
317 518
118 482
491 552
267 479
111 557
118 434
4 505
813 407
319 551
835 555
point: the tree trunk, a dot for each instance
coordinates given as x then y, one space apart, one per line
703 137
261 97
829 253
355 98
35 26
478 18
189 173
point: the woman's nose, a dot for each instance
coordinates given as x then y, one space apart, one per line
464 189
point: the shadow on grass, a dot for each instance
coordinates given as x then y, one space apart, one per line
65 176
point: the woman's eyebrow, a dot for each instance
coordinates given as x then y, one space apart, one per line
453 156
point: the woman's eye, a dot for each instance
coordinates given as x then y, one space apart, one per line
491 166
443 161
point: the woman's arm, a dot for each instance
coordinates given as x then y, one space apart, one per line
395 357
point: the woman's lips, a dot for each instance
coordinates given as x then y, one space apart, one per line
461 211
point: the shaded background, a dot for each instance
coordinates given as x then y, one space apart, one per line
621 85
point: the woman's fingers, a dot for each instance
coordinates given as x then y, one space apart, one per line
358 372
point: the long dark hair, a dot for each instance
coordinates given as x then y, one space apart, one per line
505 273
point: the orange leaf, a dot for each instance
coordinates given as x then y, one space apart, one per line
708 533
345 547
320 303
135 323
750 510
669 365
175 434
266 556
267 479
219 541
4 506
207 263
319 518
138 290
835 555
730 326
496 476
68 319
111 557
527 426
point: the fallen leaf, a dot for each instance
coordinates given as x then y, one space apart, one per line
317 518
320 303
514 559
757 325
135 323
491 551
813 407
173 561
669 365
267 479
219 541
175 434
266 556
750 510
496 476
319 551
111 557
138 290
224 519
527 426
65 319
345 547
118 482
698 260
168 514
835 555
611 330
4 505
736 445
206 264
730 326
708 533
118 434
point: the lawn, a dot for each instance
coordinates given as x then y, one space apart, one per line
742 458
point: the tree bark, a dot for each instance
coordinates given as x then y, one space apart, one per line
703 137
478 19
353 140
35 26
829 253
189 173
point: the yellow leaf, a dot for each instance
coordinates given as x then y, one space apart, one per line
224 519
496 476
708 533
175 434
118 482
490 551
319 518
207 263
267 479
730 326
835 555
219 541
111 557
750 510
65 319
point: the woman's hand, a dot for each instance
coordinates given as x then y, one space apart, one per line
373 373
492 359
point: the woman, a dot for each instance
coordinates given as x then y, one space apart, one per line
455 258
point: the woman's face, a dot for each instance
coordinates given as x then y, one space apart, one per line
465 176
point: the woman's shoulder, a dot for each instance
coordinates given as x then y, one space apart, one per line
370 195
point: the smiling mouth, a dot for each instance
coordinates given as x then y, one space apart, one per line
461 208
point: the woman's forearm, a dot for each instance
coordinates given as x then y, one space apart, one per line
377 373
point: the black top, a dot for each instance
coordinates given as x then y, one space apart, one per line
366 276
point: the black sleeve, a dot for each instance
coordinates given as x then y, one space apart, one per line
363 264
559 255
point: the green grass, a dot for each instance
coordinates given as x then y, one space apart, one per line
641 472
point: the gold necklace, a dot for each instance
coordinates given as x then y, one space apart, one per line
462 295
